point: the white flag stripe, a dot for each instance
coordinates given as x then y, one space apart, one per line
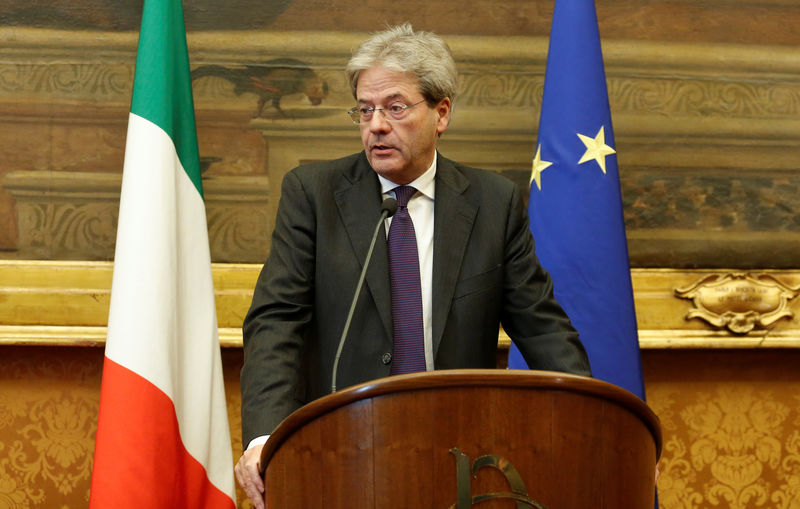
175 295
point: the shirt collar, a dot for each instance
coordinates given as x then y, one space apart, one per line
424 183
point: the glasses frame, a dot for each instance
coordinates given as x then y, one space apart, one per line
355 113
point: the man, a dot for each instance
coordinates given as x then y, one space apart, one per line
473 266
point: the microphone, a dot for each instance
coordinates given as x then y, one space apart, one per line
388 208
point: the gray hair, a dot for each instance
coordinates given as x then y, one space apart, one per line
423 55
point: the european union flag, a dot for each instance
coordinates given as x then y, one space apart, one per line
575 202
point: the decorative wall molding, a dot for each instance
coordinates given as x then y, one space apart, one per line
66 304
669 79
740 302
74 336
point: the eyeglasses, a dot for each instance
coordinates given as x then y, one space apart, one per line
395 111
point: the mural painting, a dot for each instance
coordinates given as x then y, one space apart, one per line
705 131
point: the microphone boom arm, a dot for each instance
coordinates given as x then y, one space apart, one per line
388 208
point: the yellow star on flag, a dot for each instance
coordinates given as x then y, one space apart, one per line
538 167
596 149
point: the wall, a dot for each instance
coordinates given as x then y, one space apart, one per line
728 403
730 423
705 98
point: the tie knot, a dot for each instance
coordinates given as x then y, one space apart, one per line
403 194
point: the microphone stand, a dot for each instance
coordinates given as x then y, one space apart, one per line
388 208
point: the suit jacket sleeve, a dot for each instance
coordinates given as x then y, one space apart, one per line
531 315
279 316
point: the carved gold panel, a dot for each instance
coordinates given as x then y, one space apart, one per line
739 301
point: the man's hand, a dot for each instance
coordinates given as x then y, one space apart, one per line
246 471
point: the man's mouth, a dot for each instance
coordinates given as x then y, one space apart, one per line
381 149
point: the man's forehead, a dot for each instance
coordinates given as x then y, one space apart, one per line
379 83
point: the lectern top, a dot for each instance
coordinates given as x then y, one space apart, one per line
466 378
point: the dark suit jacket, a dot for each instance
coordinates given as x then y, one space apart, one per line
484 273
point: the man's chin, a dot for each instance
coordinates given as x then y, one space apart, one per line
385 168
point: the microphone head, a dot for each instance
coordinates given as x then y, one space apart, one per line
390 206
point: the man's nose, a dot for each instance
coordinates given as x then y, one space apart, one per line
378 122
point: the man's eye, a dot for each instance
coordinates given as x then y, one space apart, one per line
397 107
365 111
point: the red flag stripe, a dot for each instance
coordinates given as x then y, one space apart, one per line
149 457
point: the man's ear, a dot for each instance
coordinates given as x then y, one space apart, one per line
443 110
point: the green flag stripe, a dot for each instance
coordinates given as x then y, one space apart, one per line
162 87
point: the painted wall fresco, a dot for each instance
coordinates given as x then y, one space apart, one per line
704 98
738 21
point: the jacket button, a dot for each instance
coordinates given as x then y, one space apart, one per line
387 358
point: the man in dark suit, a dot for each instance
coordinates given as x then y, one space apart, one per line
476 265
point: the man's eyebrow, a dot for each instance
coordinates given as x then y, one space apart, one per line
388 98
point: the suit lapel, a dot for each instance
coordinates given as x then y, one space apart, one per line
454 217
359 203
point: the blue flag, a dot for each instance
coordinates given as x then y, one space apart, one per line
575 202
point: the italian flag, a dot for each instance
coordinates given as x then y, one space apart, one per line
162 436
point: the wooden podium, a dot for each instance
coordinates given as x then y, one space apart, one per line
454 439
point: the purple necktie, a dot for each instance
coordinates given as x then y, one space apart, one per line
409 337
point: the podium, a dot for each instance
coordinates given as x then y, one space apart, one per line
454 439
